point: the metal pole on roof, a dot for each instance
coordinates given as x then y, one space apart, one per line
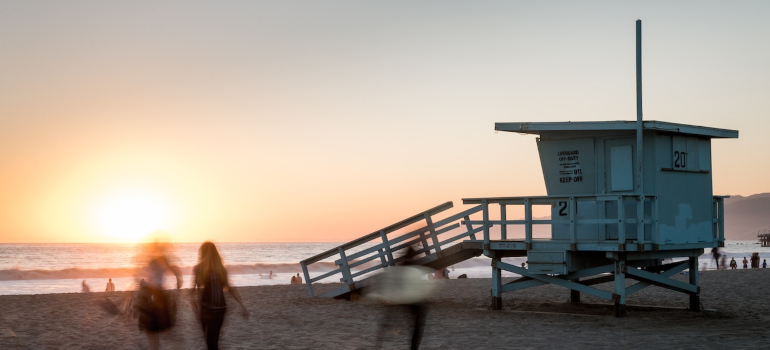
639 123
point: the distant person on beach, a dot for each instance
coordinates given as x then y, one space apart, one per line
764 263
110 286
733 264
715 253
723 264
84 288
209 286
299 279
745 263
293 280
156 307
754 260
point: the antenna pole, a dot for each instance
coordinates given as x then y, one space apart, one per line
639 123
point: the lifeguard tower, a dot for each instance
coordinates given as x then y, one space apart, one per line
628 200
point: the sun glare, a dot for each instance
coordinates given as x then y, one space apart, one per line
129 216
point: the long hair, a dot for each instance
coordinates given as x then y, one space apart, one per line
209 261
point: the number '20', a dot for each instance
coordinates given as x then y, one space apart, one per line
680 159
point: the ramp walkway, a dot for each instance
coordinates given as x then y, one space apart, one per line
441 242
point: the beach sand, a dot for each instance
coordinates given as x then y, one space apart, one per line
284 317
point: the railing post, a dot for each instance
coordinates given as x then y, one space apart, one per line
504 226
344 267
307 280
386 243
486 220
721 203
433 235
572 224
469 227
640 220
621 223
528 223
654 221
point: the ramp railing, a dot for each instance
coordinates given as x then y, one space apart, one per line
356 260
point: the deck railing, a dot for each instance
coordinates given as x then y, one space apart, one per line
355 259
646 214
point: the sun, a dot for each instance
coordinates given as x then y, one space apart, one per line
129 216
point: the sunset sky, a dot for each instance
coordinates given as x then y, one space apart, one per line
281 121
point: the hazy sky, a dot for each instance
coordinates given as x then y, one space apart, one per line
327 120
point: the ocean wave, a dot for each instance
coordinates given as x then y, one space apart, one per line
16 274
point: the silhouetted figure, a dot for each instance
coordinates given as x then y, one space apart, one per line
733 264
745 263
110 286
764 263
293 280
209 284
754 260
84 288
299 279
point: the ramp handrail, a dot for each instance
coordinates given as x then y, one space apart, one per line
352 261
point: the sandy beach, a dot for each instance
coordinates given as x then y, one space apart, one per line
283 317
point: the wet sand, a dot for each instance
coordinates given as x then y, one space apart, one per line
284 317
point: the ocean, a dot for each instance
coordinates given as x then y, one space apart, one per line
61 268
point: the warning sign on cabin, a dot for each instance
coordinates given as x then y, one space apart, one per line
569 166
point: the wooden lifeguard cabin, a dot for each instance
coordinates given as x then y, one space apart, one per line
628 200
620 205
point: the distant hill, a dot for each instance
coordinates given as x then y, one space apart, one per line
745 215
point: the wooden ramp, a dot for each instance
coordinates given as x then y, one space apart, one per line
441 242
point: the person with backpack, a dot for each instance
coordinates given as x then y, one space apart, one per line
209 284
156 308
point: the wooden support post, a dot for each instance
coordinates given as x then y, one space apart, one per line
497 285
574 295
694 297
619 297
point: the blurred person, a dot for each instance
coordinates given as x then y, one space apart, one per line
209 284
293 280
299 279
110 286
84 288
723 264
405 287
764 263
155 307
754 260
733 264
745 263
715 254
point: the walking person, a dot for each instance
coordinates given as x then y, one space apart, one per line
156 307
209 284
